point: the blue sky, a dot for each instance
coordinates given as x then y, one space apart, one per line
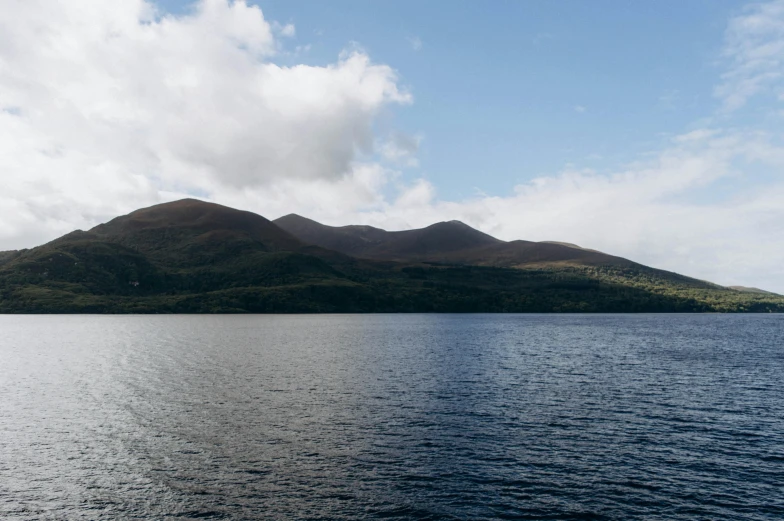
650 130
511 90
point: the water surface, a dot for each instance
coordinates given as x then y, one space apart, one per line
392 416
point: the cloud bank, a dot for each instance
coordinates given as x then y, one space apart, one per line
109 106
105 106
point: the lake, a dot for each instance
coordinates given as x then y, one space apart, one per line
392 416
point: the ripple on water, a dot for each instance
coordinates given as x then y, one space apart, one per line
392 417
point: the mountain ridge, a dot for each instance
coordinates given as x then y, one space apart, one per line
191 256
472 247
372 242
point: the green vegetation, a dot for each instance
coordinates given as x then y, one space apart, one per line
7 256
93 280
155 263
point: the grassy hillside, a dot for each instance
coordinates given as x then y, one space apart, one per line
197 257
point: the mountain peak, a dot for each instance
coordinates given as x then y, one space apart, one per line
183 213
294 217
192 224
370 242
449 224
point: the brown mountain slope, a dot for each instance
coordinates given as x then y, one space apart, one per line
448 242
375 243
516 254
569 244
350 240
438 239
190 230
455 243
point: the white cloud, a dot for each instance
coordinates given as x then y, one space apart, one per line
579 108
287 31
108 106
755 52
415 42
400 148
696 135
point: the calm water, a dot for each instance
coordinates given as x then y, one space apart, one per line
392 416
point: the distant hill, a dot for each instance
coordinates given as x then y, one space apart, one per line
374 243
190 256
451 241
454 242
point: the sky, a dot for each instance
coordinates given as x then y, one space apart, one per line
649 130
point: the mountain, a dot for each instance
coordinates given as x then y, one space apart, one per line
374 243
455 243
190 256
446 242
183 248
190 231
